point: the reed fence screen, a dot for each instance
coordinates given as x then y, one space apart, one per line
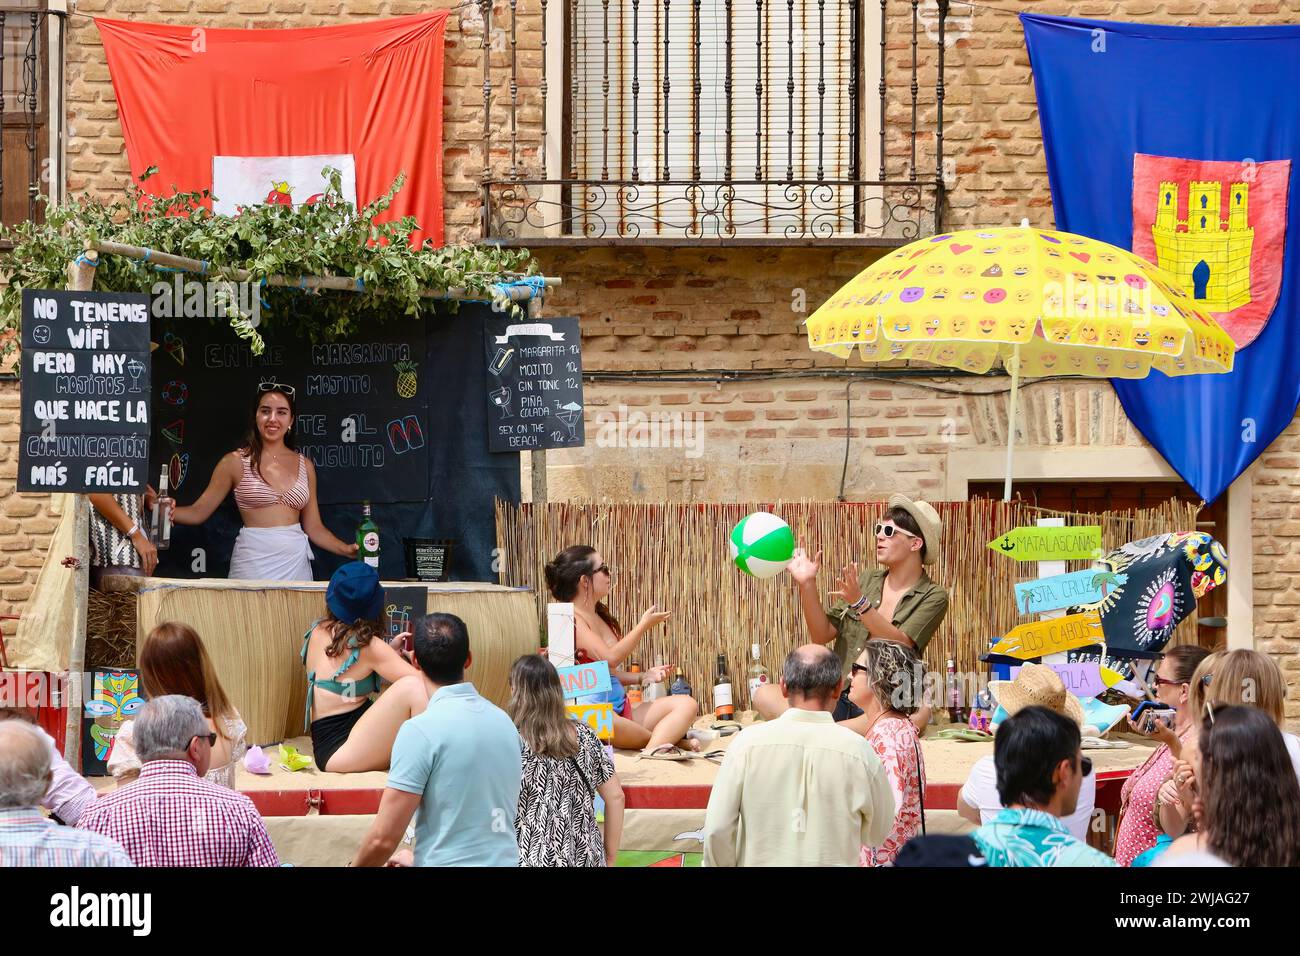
676 556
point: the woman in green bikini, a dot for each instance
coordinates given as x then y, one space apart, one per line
345 656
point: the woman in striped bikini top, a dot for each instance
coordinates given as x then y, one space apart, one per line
253 492
258 472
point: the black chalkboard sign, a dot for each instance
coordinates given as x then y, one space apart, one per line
362 404
85 392
534 375
427 559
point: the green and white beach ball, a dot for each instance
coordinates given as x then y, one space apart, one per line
762 544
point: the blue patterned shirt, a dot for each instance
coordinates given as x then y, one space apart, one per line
28 839
1023 837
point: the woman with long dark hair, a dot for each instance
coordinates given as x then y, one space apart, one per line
1247 794
580 575
173 660
275 489
565 767
345 655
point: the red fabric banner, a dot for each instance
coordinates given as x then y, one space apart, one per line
253 115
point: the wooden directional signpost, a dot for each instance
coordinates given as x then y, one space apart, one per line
1066 590
1081 543
1038 638
1083 679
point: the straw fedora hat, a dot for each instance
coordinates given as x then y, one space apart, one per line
1037 685
927 519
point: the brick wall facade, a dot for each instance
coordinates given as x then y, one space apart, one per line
706 309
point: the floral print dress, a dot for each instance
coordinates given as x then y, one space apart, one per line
894 740
1138 830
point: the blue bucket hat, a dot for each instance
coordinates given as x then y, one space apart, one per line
354 593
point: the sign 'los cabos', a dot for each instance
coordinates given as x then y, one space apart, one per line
1050 544
1039 638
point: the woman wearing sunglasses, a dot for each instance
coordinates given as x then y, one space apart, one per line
275 489
1140 829
896 601
886 684
657 727
1224 679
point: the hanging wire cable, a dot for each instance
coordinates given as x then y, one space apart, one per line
848 418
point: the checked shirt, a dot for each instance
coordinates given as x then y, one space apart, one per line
170 817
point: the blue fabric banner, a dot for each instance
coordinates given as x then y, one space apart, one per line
1182 144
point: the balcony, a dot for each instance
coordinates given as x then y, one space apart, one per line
712 122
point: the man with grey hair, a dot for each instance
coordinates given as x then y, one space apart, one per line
799 790
171 816
27 838
70 792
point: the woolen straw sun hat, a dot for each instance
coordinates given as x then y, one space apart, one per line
1037 685
927 519
354 593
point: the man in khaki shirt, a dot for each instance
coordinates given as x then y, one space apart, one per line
799 790
896 602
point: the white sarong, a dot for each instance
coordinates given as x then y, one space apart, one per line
272 554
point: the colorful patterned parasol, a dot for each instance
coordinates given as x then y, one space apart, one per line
1041 302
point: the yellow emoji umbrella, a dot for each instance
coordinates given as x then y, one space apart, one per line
1041 302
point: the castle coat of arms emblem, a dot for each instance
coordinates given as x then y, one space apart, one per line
1220 229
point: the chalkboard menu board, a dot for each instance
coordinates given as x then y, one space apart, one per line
394 415
534 378
362 406
85 392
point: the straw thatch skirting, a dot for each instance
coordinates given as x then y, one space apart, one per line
676 555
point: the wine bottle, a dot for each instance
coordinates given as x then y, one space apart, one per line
680 686
758 675
723 709
954 695
161 526
368 538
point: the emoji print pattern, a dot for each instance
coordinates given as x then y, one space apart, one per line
1073 306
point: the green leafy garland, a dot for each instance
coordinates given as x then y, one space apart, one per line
326 238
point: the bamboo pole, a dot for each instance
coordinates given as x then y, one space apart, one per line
81 278
337 283
1011 421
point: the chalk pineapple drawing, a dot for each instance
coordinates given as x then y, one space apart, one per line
407 382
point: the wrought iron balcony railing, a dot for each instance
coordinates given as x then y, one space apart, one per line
715 121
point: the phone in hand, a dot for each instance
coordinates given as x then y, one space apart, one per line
1153 711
